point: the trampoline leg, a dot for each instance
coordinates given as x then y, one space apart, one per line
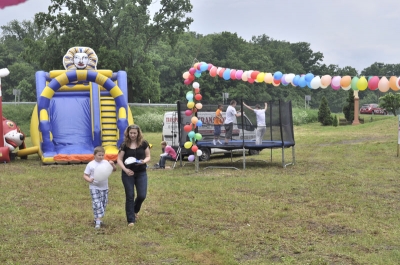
293 155
283 157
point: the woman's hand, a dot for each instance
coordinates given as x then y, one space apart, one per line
128 172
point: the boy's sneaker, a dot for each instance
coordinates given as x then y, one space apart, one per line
214 143
98 225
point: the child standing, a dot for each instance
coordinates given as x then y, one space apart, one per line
98 189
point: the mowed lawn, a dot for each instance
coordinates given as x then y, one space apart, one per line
339 204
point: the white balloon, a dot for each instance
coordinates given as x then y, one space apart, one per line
102 171
196 85
199 152
289 78
315 82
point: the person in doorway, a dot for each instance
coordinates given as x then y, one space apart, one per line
218 121
229 119
134 174
168 154
261 125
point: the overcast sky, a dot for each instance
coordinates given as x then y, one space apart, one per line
353 33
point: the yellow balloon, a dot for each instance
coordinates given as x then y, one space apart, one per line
362 83
190 105
260 77
194 119
188 145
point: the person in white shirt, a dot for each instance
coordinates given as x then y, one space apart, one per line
229 119
260 116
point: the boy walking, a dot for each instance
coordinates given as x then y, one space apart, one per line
98 189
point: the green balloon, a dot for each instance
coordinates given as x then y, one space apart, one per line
354 83
198 136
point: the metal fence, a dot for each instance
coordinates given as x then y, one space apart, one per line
130 104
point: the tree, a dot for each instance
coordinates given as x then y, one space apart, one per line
324 113
118 27
391 102
348 110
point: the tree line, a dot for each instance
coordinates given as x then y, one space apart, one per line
155 50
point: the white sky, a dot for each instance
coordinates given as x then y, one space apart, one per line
353 33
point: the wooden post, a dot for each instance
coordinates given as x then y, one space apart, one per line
356 108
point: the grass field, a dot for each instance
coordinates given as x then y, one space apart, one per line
338 205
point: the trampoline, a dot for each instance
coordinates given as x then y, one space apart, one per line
278 133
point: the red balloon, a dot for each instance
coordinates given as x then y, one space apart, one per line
198 97
254 74
221 72
198 66
187 128
197 90
250 80
213 71
191 77
233 74
194 148
277 81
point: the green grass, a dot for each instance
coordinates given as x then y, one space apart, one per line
338 205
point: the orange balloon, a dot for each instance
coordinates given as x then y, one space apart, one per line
392 83
345 81
268 78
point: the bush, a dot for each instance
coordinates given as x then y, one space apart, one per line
20 114
151 122
302 116
335 121
324 113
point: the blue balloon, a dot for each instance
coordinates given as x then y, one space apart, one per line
309 77
191 134
296 80
277 75
203 67
199 123
227 74
189 97
302 81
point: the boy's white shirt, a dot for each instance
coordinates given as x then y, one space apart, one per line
89 170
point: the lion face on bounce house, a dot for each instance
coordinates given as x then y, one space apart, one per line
13 137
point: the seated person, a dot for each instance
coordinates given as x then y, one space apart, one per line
168 154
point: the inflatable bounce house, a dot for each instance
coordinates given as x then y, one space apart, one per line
78 109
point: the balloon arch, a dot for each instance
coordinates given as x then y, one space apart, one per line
194 96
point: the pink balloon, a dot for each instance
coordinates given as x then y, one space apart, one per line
336 81
239 74
373 83
187 82
188 112
192 71
209 66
